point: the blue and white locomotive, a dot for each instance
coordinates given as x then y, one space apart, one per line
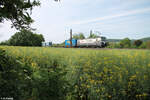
91 42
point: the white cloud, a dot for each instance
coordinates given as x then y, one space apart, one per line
5 31
132 12
1 35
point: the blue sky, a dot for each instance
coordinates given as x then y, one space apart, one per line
113 18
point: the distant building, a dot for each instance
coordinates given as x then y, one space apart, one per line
46 44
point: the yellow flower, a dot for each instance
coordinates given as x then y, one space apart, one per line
109 96
145 77
133 77
105 69
97 90
88 86
91 81
145 94
76 86
33 64
81 78
103 88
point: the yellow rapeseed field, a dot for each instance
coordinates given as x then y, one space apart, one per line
105 74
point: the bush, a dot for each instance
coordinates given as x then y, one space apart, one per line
113 45
143 46
125 43
148 44
133 46
49 84
13 79
137 43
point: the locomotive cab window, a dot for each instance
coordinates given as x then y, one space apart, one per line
103 38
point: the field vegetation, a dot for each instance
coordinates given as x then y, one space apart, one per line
127 43
82 74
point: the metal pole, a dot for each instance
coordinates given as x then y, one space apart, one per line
91 34
70 38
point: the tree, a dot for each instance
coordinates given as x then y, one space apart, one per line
17 11
92 35
79 36
137 43
4 42
26 38
125 43
38 39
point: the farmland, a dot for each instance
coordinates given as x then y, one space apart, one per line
108 74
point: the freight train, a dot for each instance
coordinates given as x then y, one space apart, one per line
91 42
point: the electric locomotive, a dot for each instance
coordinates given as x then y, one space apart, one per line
90 42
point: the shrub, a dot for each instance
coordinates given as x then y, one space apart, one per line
113 45
133 46
148 44
49 83
137 43
143 46
25 80
13 79
125 43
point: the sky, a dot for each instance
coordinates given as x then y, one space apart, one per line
114 19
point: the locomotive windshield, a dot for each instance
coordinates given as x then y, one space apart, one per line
103 38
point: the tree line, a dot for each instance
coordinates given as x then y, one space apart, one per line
24 38
127 43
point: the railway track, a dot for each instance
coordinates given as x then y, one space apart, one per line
105 48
